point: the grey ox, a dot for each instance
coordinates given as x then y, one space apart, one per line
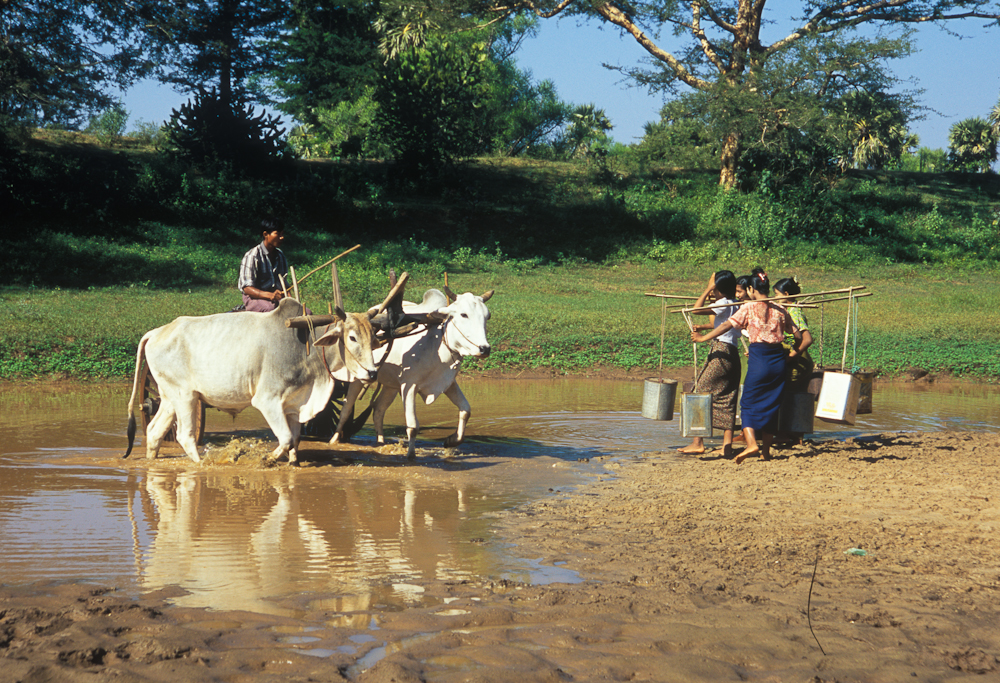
427 363
234 360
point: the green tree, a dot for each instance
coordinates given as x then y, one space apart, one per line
972 145
226 45
876 134
680 139
58 57
588 128
326 57
431 102
526 114
719 48
995 119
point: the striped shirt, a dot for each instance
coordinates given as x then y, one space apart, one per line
258 271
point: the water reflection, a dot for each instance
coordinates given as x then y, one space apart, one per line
235 544
352 538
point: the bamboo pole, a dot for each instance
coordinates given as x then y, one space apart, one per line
859 295
671 296
779 300
785 299
356 246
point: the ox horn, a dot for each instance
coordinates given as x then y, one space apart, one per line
486 296
452 298
393 293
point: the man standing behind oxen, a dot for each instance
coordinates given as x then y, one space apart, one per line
261 267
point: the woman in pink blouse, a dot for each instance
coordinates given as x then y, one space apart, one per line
766 324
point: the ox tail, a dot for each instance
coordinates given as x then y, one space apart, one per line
139 358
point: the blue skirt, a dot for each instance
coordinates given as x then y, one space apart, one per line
763 386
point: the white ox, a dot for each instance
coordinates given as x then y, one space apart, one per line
427 363
234 360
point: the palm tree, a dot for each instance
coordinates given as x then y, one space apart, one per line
972 145
589 125
995 120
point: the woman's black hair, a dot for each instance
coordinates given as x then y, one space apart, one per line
788 286
744 281
760 282
725 282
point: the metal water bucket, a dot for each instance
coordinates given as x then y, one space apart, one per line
796 414
866 380
838 399
658 396
696 415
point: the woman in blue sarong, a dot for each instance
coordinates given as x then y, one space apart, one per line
766 324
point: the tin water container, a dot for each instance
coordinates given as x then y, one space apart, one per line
796 414
865 379
838 399
696 415
658 396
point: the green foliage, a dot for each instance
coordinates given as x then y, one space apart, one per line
224 44
972 145
680 139
429 104
59 57
345 130
925 160
327 58
212 130
110 124
147 133
876 135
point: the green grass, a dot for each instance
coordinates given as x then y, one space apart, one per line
566 318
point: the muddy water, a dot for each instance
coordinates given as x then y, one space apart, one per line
357 530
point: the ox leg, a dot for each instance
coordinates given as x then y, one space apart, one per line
464 412
274 414
382 403
295 427
186 421
412 424
353 391
158 428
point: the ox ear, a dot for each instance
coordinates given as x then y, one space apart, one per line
332 335
487 295
440 314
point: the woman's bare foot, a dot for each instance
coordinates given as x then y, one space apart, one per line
746 454
692 450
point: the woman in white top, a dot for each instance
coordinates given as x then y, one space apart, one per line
720 375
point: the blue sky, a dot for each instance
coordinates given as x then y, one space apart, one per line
960 76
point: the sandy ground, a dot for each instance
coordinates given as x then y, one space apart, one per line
694 569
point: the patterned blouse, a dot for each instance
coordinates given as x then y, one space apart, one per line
764 322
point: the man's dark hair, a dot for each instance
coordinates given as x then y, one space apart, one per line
272 224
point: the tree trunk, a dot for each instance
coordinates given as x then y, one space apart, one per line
730 157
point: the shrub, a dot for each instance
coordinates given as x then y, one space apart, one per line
211 130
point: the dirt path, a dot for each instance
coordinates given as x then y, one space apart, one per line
694 570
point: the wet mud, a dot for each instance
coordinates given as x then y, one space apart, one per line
552 553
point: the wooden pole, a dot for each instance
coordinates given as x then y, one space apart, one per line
847 329
356 246
663 330
672 296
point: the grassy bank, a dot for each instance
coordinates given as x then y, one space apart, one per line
104 244
566 318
